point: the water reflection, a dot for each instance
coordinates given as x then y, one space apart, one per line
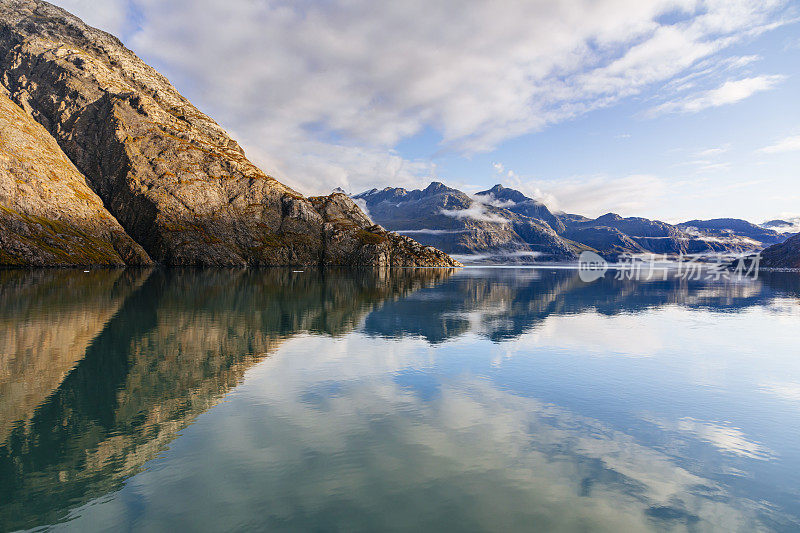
355 423
102 370
503 304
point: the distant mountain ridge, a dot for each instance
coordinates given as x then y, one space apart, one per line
460 224
734 228
502 224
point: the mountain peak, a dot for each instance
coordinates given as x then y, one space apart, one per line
609 217
436 186
506 194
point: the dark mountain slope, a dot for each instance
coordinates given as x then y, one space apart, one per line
652 236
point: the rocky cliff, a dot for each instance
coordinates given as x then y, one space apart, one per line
173 178
48 214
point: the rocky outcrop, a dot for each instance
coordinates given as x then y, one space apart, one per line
350 236
173 178
784 255
48 214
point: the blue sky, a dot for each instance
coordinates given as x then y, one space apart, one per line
672 109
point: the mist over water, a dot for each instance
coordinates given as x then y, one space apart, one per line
478 399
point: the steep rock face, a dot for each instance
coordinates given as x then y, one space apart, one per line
784 255
48 214
451 220
174 179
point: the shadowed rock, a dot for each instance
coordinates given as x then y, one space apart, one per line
48 214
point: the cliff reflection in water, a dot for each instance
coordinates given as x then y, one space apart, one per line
99 372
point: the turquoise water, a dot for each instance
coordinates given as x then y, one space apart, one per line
470 400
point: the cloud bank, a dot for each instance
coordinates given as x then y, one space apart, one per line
476 211
320 92
595 195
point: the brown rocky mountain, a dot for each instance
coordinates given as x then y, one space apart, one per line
172 178
48 215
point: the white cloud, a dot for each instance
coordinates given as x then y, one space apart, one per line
489 199
362 203
714 152
596 195
729 92
476 211
319 92
789 144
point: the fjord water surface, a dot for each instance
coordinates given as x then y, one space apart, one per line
427 400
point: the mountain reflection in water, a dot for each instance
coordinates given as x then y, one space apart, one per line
480 399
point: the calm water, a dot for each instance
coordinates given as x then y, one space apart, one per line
474 400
